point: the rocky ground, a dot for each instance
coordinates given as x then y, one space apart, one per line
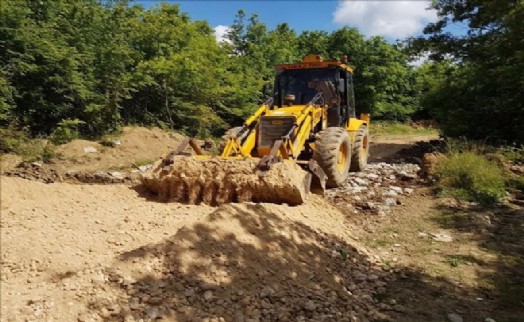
378 249
376 190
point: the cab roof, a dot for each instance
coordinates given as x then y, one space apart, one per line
314 61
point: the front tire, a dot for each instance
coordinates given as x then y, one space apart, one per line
333 154
359 159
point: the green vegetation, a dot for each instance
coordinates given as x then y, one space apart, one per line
390 127
19 142
66 131
472 177
142 162
85 68
477 88
454 261
70 68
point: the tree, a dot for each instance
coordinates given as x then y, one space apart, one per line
483 98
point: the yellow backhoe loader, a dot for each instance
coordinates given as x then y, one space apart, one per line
303 139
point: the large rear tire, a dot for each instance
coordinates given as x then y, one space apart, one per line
359 158
333 154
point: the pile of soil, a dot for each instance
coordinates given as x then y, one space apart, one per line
216 181
110 254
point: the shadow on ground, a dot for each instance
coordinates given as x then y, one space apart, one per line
500 231
248 263
397 152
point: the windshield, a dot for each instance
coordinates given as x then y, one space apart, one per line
301 83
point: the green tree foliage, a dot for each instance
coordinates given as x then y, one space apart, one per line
482 97
101 64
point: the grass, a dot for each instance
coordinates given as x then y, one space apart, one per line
380 243
470 176
19 142
516 182
444 220
391 230
142 162
454 261
396 128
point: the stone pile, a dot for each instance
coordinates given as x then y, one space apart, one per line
376 189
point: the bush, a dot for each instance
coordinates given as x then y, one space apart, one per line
471 177
66 131
19 142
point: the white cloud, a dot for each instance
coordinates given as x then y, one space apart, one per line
395 19
420 60
221 32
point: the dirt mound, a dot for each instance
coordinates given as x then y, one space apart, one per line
216 181
94 162
135 146
248 261
108 254
8 162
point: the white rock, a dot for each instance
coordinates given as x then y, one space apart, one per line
208 295
391 193
144 168
408 191
442 237
310 306
152 312
390 202
454 317
396 189
267 291
90 149
360 182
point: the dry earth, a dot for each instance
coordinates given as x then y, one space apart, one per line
88 252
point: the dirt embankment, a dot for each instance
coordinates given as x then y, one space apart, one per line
120 160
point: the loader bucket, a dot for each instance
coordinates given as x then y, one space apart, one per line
215 180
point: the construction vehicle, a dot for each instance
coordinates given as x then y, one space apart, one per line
305 138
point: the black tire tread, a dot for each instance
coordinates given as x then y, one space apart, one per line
326 154
357 163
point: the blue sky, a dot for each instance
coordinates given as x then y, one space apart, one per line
393 19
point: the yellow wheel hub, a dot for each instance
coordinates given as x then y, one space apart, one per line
342 157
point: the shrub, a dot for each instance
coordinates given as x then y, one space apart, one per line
472 177
18 141
66 131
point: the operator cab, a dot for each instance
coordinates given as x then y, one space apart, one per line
298 84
